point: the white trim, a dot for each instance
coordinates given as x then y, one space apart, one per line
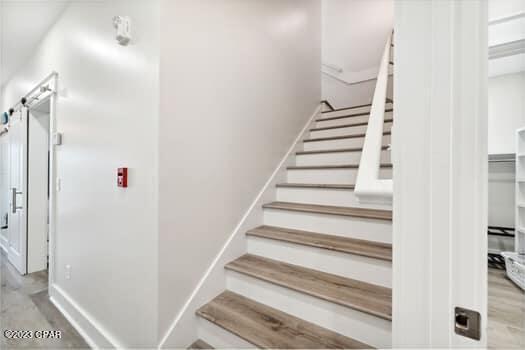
213 280
333 67
93 333
2 246
505 19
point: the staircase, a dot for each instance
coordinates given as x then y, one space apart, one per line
318 273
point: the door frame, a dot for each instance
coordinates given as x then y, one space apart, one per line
440 160
47 90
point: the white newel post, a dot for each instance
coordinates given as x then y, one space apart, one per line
440 170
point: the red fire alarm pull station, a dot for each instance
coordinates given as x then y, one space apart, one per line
122 177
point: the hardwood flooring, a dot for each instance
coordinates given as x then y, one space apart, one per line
269 328
332 210
341 244
506 312
361 296
25 305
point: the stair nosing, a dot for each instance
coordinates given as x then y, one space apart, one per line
301 289
259 232
349 116
343 137
331 210
347 126
327 167
335 150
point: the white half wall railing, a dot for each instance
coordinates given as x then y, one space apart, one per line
369 187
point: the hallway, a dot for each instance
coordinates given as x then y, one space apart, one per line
25 306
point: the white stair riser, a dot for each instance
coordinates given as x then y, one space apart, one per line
220 338
336 122
322 176
344 131
343 143
335 158
323 196
357 267
340 319
329 176
355 119
368 229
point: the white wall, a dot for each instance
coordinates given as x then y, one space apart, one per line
354 37
507 25
239 79
506 111
107 110
506 115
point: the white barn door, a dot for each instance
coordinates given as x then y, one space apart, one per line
17 231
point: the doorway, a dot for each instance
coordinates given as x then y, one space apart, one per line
506 186
38 187
26 181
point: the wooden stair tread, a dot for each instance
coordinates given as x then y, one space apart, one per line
361 296
330 167
346 108
388 100
320 186
341 244
336 150
332 210
347 125
349 116
269 328
343 137
200 345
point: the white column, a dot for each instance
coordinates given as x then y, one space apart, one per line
440 170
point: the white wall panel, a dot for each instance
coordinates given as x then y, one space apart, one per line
239 80
107 110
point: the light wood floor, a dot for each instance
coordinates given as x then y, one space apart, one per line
506 303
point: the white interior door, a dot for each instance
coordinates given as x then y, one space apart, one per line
17 236
440 158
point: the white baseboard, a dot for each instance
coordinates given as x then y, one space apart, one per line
3 247
183 329
93 333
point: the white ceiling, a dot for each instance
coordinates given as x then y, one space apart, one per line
23 24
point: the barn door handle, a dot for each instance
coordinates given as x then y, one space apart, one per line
14 192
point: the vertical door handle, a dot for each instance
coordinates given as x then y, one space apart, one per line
14 192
